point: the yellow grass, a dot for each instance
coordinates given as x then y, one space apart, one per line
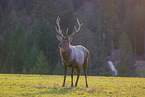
18 85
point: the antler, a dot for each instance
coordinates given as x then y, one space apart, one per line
67 32
76 30
58 30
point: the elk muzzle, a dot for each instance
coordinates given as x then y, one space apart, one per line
60 45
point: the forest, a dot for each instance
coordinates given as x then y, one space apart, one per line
112 30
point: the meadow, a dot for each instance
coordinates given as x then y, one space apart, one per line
19 85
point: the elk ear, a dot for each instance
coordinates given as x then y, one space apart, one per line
70 39
59 37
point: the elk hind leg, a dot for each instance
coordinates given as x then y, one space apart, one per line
85 72
72 72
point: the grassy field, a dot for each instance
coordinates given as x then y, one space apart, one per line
17 85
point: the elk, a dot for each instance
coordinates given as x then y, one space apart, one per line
72 56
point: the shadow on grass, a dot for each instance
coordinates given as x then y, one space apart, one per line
55 91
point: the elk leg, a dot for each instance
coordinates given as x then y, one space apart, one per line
85 72
65 71
78 75
72 72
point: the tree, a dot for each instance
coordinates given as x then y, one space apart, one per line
16 44
91 36
125 65
133 24
67 14
59 69
110 22
45 9
31 59
41 66
3 51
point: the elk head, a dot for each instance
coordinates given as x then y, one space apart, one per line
65 40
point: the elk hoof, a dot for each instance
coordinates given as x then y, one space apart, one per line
86 86
63 85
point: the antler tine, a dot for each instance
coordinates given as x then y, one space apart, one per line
67 32
76 30
58 30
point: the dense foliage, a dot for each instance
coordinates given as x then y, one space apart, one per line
112 30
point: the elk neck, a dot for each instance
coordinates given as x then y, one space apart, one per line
66 54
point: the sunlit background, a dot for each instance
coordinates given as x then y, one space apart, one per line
113 30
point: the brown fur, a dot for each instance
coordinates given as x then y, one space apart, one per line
68 61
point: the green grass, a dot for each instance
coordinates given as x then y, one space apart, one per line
17 85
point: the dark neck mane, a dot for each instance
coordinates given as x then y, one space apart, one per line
66 55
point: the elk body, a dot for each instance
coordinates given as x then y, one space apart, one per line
72 56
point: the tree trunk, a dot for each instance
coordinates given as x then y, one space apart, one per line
135 46
144 43
112 46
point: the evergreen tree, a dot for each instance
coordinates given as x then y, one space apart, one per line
109 22
59 69
31 58
90 36
16 43
67 14
45 9
24 71
48 43
125 54
41 66
134 25
3 51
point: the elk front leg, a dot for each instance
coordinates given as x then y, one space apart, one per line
65 71
78 75
72 73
